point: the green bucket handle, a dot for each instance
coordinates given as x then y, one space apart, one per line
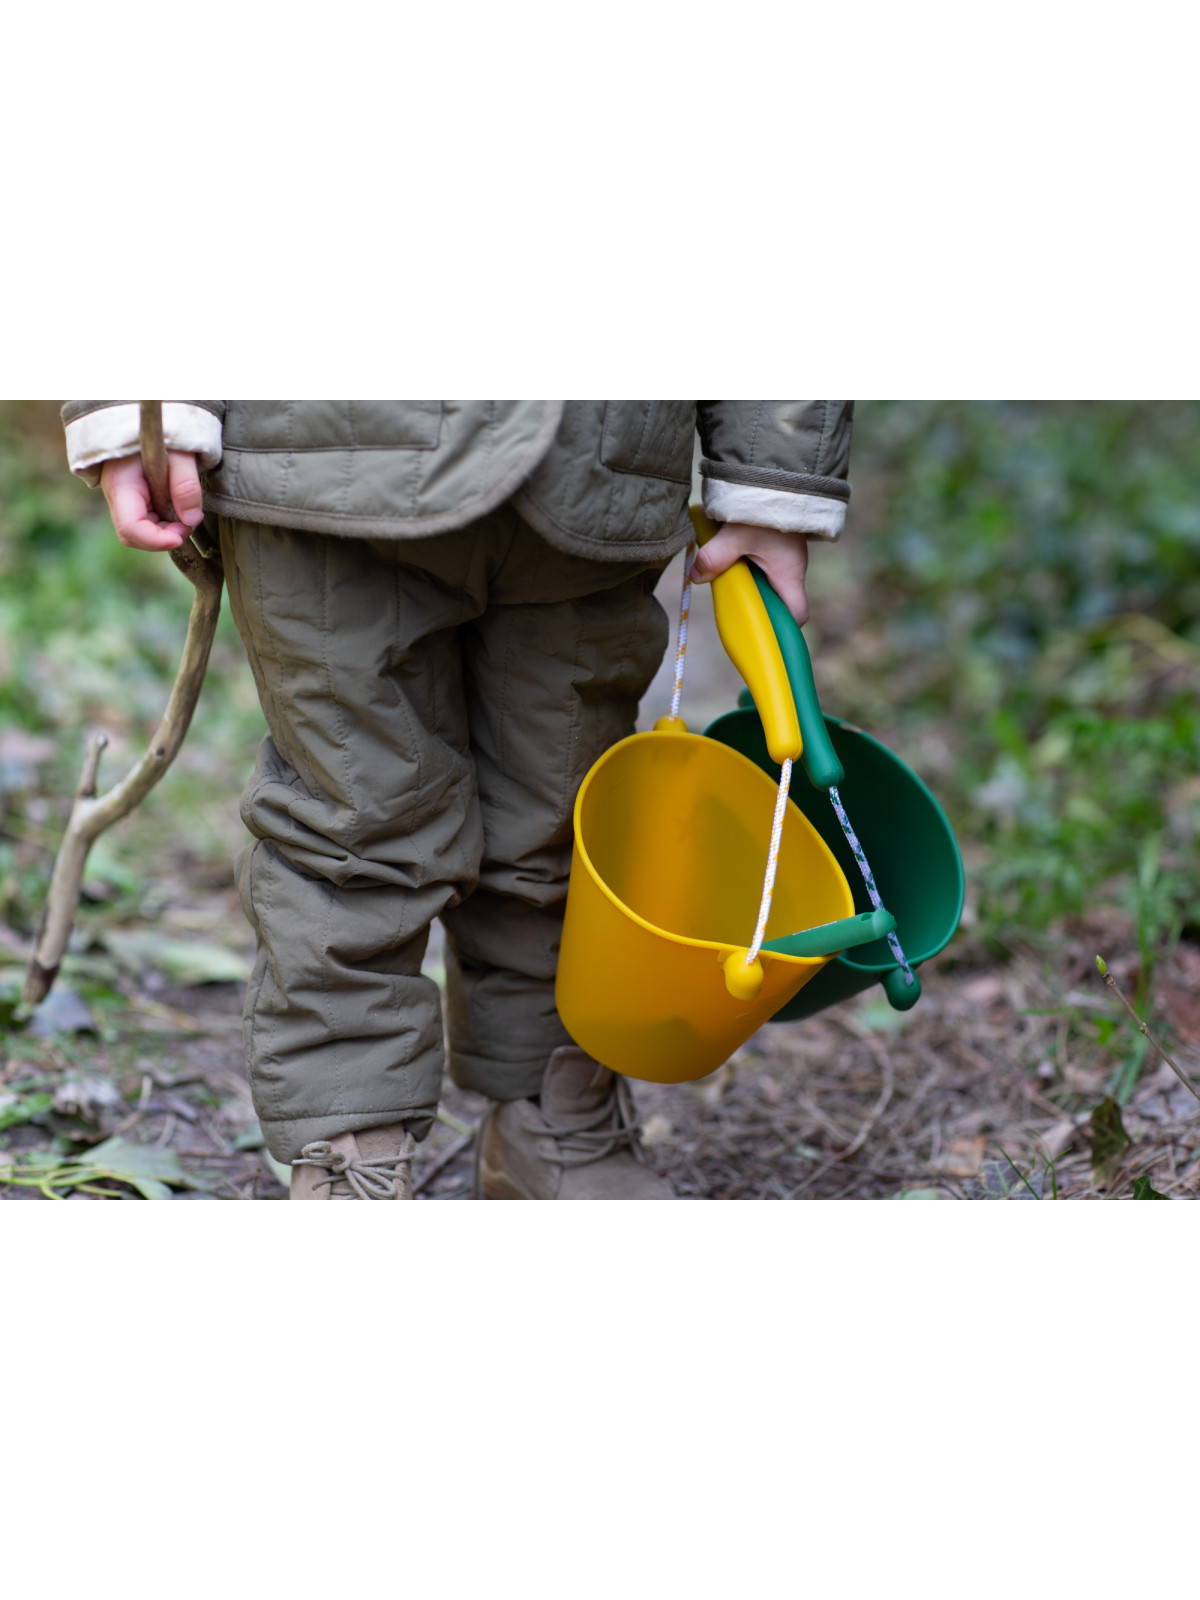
824 769
830 938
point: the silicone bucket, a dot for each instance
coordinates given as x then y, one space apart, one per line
907 839
671 831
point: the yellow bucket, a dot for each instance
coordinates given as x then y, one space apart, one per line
671 834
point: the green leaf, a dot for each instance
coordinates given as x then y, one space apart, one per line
139 1165
143 1167
1143 1189
185 962
105 870
1109 1140
23 1108
250 1138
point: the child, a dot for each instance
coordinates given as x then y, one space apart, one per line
448 608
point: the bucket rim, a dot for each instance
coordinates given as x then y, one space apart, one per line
721 948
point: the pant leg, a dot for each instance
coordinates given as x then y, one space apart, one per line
366 822
554 670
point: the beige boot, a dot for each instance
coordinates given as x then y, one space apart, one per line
582 1143
372 1164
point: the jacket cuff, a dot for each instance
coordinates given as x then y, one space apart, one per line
113 432
816 515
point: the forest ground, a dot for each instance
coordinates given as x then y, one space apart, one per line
975 1094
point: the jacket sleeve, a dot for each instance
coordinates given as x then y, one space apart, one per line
777 463
104 430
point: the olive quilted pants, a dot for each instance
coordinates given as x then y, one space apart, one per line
433 705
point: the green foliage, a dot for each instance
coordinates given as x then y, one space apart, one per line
145 1168
1028 517
1038 566
1143 1189
16 1108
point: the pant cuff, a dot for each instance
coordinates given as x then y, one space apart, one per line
499 1080
285 1139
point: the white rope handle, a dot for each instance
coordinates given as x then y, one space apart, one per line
764 905
785 778
864 866
685 605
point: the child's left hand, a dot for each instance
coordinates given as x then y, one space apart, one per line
782 556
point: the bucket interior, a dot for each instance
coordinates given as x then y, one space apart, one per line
677 827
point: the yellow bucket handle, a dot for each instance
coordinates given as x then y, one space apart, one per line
750 643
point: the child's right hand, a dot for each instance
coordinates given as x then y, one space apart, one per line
128 495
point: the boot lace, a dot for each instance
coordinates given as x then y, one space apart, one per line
383 1178
614 1126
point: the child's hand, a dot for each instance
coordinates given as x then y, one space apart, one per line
128 495
782 556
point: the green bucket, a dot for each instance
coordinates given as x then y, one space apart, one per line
906 838
903 831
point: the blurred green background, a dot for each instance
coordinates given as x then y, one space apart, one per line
1013 608
1022 623
90 637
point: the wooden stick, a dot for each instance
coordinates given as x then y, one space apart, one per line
91 816
1102 968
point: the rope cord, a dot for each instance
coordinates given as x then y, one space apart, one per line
864 867
764 905
685 605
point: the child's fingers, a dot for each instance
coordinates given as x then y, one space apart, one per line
128 497
153 535
790 590
140 533
184 480
124 486
786 576
782 556
717 556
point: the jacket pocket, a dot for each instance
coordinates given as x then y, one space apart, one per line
651 438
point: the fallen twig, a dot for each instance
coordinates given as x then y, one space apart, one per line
1151 1040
